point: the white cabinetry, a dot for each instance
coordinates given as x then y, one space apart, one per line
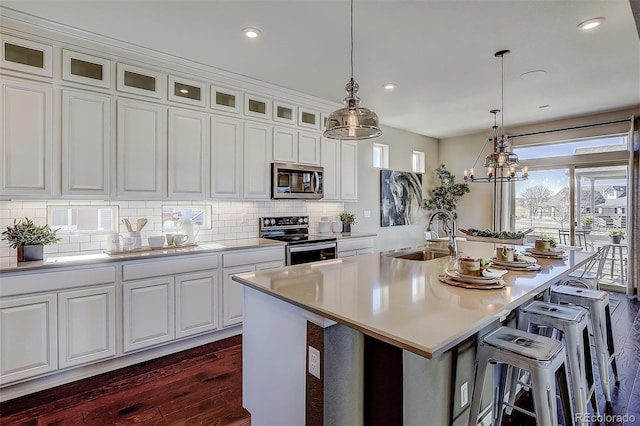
86 143
196 303
355 246
148 315
169 299
291 146
28 337
27 138
257 159
349 170
238 263
226 157
188 145
141 153
340 162
87 325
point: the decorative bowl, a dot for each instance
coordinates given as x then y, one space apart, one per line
156 242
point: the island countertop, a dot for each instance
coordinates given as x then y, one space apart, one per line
402 302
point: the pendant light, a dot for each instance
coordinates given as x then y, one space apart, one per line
502 164
352 122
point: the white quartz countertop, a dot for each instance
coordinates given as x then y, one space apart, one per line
11 265
402 302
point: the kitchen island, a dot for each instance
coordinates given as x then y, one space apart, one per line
399 303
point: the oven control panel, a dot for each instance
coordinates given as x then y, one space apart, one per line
270 222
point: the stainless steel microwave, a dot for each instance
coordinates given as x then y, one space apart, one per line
296 181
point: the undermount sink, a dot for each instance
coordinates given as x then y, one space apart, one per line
422 254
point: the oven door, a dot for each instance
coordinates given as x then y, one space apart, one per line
305 253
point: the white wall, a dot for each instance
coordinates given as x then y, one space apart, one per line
401 146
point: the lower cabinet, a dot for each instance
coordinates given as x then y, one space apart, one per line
28 337
196 303
355 246
148 312
239 263
87 325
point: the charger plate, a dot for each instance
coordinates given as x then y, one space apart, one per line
470 279
450 281
553 254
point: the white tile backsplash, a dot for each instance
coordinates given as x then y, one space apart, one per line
230 219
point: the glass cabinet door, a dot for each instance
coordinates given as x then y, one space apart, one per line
86 69
284 113
225 99
186 91
140 81
26 56
257 106
308 118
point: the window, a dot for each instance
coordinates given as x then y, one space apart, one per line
381 155
417 162
174 216
73 220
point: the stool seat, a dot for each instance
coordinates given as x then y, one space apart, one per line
542 357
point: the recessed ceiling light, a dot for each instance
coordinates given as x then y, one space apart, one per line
533 75
590 24
252 32
389 86
544 106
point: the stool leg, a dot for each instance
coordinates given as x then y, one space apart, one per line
543 388
565 395
589 371
612 357
499 383
482 359
576 361
602 355
513 388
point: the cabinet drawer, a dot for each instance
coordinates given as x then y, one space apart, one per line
168 267
252 257
47 281
355 244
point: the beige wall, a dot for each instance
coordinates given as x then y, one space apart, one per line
459 153
401 145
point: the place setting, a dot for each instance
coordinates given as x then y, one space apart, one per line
474 273
543 248
506 257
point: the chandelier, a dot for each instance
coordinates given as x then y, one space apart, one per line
501 165
352 122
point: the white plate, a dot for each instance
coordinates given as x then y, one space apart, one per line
550 253
471 279
515 263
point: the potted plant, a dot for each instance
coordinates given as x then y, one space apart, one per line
446 196
617 235
587 221
347 219
29 238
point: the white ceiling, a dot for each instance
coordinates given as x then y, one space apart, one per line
440 53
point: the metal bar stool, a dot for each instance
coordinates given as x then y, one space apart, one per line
542 357
597 302
573 323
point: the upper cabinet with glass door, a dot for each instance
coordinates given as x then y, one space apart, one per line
26 56
308 118
284 113
257 106
86 69
139 81
225 99
187 91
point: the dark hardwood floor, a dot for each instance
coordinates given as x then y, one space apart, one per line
204 386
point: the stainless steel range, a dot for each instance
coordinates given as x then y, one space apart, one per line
302 247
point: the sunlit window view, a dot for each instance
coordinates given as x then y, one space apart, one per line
599 199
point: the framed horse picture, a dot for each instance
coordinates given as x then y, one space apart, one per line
400 197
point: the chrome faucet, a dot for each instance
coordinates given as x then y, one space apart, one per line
452 244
